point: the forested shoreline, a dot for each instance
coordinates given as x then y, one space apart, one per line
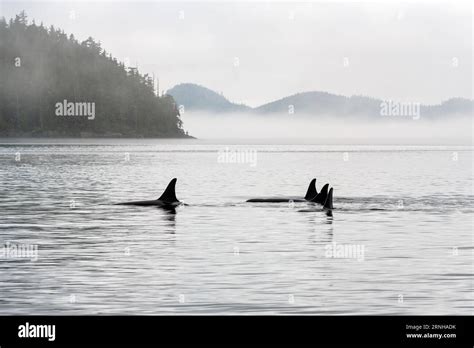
43 69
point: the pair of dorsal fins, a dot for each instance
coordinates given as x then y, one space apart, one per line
324 197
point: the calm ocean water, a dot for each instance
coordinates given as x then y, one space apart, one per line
402 218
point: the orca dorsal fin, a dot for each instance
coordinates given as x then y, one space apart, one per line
312 192
169 196
322 195
328 203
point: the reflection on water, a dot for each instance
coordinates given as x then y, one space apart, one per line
409 209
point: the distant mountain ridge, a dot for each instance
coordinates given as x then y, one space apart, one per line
198 98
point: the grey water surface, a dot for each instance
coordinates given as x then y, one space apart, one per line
407 210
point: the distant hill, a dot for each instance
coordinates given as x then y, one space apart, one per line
321 103
198 98
451 106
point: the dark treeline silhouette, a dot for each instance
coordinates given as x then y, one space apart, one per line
40 67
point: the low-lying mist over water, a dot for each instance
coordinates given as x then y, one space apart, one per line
330 129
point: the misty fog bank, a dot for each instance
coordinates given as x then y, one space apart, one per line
328 130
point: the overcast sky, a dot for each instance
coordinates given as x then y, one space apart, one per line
256 52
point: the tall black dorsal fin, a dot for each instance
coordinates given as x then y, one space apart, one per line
321 197
169 196
312 192
328 203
